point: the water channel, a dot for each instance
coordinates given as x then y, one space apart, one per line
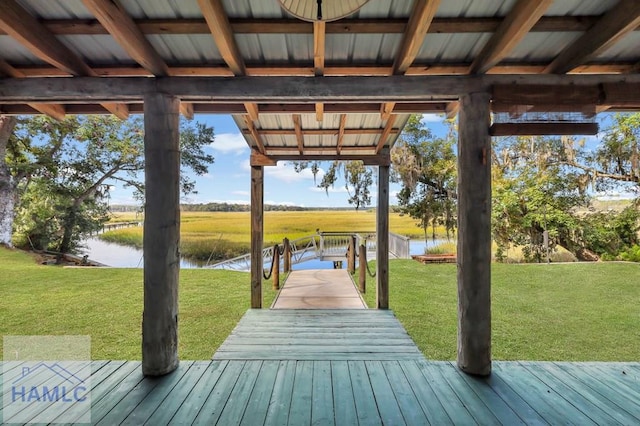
121 256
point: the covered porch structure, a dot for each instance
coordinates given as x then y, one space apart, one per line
319 90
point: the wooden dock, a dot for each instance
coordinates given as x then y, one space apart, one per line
329 392
319 289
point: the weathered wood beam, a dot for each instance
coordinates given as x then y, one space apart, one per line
419 21
298 129
220 29
452 110
613 26
19 24
541 129
118 109
257 234
254 134
259 159
444 25
382 237
286 89
318 47
386 132
161 234
362 131
186 109
319 107
343 122
114 17
252 110
515 26
474 234
386 109
547 95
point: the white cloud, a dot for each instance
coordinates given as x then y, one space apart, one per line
432 118
230 143
286 173
244 193
282 203
339 189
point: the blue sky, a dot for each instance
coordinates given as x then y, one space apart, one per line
228 179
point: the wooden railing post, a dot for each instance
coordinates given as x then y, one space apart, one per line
362 278
351 255
275 267
287 255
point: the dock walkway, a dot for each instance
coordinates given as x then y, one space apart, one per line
319 289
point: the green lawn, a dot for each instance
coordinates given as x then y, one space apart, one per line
556 312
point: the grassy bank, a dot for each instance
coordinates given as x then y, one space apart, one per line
544 312
222 235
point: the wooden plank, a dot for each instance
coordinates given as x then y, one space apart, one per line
417 27
425 395
300 410
365 401
298 129
280 404
220 29
329 341
161 234
189 395
385 399
259 401
322 409
474 235
343 399
235 407
616 23
117 21
217 399
257 212
513 28
140 393
456 410
549 128
382 235
119 385
401 389
388 128
600 410
547 403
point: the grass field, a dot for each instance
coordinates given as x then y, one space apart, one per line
540 312
222 235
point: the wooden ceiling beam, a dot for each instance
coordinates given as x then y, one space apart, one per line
343 123
541 129
253 111
452 110
386 109
114 17
623 18
260 159
318 47
325 132
298 129
220 29
19 24
421 16
186 109
319 108
515 26
196 26
388 128
254 134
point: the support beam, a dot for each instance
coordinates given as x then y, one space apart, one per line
474 235
386 109
218 22
254 133
319 111
298 129
382 235
343 122
186 109
114 17
623 18
419 22
515 26
452 110
252 110
318 47
161 234
386 132
257 235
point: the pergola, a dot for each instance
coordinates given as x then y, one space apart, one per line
339 90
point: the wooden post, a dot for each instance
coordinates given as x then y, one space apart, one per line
257 209
474 235
362 278
275 265
351 255
161 234
287 255
382 235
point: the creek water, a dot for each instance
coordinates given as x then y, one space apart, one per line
121 256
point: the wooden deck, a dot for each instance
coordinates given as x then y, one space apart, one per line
319 289
326 392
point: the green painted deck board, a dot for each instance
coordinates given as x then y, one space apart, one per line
278 412
344 406
217 399
365 401
258 405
